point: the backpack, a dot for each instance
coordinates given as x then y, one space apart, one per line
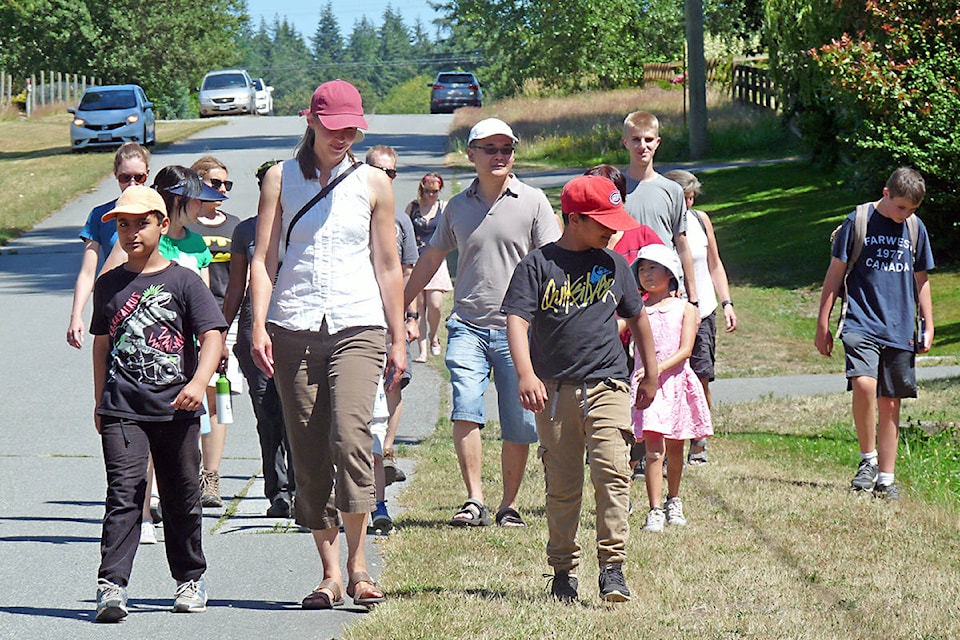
860 220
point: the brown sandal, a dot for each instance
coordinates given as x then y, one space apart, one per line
319 599
364 596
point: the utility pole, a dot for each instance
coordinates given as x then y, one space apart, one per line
696 78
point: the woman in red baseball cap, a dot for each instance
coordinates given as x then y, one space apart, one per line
320 332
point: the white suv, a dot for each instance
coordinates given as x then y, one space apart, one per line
264 97
227 91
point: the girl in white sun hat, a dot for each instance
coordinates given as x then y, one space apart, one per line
679 410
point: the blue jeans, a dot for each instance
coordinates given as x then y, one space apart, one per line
472 355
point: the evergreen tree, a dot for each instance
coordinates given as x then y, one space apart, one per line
327 41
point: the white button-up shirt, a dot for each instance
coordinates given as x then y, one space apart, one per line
327 271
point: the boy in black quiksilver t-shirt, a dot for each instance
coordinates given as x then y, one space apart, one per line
148 386
573 374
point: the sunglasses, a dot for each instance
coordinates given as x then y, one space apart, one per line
493 150
391 173
216 183
432 192
124 178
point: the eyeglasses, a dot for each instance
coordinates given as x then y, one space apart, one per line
216 183
124 178
391 173
431 192
492 150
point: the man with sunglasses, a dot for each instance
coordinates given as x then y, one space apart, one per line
493 224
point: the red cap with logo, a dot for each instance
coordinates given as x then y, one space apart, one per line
599 198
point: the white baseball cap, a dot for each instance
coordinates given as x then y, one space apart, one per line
490 127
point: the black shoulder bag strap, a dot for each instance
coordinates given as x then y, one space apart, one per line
317 198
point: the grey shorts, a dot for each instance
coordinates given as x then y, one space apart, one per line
894 369
704 353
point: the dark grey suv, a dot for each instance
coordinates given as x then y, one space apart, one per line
453 89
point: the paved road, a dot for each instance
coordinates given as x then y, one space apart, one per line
51 469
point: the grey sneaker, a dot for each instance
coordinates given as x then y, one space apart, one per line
210 489
191 597
564 587
655 519
674 509
111 602
886 492
866 476
613 586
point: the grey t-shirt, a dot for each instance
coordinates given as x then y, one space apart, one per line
659 204
406 239
491 243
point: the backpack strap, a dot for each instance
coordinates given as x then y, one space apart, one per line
699 216
860 220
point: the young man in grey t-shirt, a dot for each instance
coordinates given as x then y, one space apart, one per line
493 224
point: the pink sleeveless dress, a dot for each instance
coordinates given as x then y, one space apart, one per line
679 410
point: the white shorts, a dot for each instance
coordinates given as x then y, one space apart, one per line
381 414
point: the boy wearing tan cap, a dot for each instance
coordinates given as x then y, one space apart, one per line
562 306
148 386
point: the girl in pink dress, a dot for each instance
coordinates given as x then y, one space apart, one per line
679 411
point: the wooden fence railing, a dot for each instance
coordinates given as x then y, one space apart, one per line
672 70
752 85
46 89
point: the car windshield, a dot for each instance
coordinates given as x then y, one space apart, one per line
456 78
258 84
224 81
105 100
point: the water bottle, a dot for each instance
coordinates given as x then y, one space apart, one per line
224 404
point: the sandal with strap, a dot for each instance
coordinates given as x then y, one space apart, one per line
510 517
320 599
471 514
364 596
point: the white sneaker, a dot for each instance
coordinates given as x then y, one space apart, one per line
654 521
191 597
148 533
674 509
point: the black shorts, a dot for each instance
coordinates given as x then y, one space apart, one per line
894 369
704 354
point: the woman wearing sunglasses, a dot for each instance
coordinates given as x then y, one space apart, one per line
320 331
130 166
216 227
425 212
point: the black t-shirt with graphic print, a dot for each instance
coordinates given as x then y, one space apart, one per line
152 320
571 300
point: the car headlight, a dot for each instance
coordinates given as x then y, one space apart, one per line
133 117
79 122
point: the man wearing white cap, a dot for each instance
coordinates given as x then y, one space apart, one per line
493 224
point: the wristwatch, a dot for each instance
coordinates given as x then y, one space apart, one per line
725 303
412 316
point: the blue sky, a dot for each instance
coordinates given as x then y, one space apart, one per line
305 15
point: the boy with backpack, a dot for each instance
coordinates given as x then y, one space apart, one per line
561 307
880 263
149 382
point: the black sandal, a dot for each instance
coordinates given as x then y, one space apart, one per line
510 517
471 514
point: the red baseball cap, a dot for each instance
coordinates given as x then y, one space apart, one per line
338 106
599 198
